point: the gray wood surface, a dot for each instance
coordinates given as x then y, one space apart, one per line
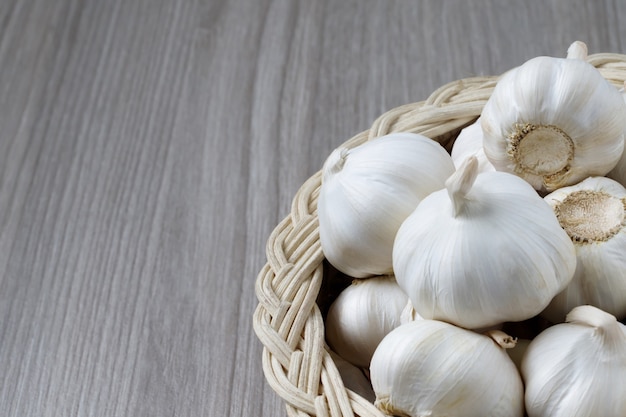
149 147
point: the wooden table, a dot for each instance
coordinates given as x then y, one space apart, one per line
149 147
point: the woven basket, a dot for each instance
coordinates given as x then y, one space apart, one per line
296 282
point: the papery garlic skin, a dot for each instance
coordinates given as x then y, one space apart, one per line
364 313
409 314
432 368
353 377
593 212
554 121
619 172
578 368
470 142
368 191
485 250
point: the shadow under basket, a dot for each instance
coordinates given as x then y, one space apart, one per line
296 285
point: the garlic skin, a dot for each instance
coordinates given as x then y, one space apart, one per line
353 378
362 315
577 368
368 191
470 142
554 121
432 368
619 172
593 213
409 314
485 250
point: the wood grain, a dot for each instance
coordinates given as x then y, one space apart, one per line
148 148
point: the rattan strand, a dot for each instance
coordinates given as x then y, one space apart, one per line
296 362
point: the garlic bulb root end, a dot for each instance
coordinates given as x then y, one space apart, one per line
542 150
591 216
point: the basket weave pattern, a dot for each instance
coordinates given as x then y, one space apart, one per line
287 320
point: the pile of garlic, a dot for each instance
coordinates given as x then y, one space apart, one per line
524 220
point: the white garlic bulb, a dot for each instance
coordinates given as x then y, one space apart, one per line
485 250
554 121
432 368
362 315
577 368
368 191
593 213
470 142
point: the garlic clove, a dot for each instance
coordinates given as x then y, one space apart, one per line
432 368
470 143
554 121
362 315
368 191
485 250
593 213
577 368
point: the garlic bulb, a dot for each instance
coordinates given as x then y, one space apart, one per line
485 250
593 215
577 368
554 121
432 368
362 315
470 142
368 191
